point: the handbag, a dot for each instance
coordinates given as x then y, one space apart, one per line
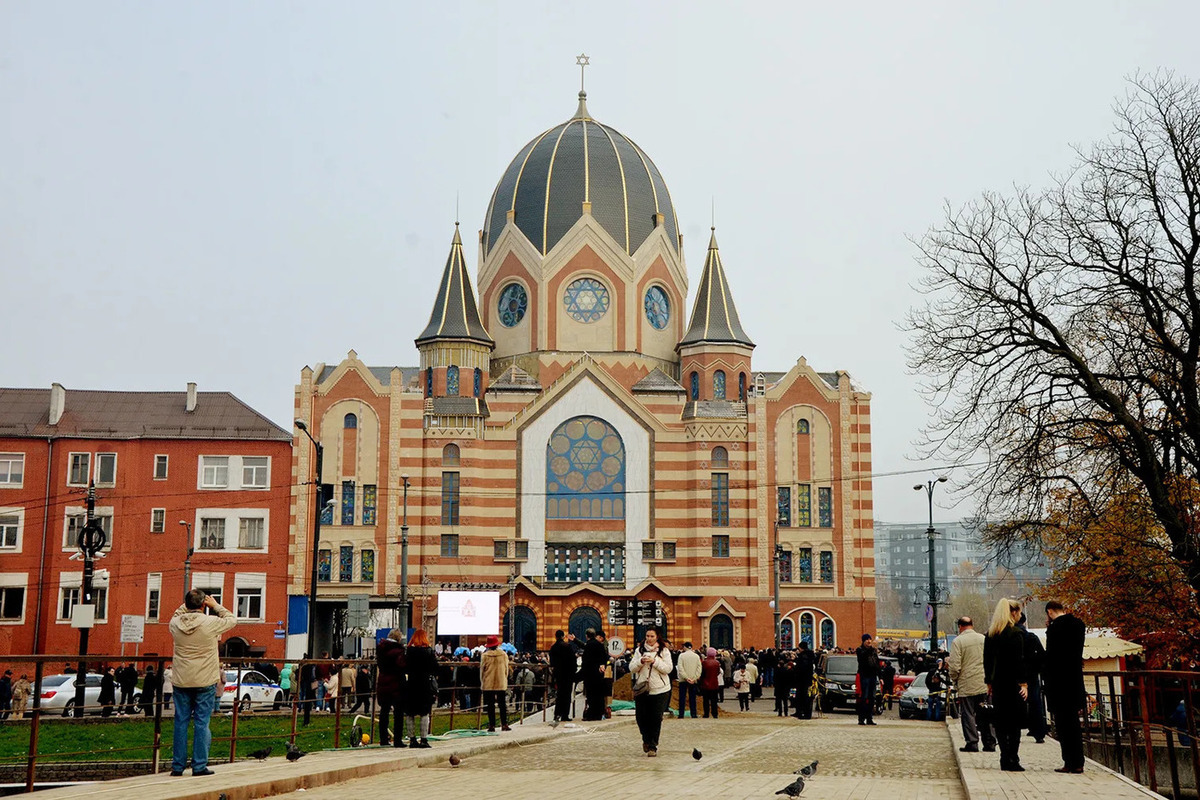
641 687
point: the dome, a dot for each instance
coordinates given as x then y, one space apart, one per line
578 161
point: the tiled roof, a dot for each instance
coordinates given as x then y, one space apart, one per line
409 376
459 407
657 381
713 409
515 379
455 315
91 414
714 317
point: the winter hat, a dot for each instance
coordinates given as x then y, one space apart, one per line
866 636
493 641
711 652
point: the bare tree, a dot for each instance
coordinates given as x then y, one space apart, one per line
1058 337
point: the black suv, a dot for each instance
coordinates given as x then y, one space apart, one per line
836 687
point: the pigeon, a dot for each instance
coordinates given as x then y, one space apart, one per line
808 770
794 788
295 753
455 760
261 755
696 754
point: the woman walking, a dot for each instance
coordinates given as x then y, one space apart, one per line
420 691
1004 669
650 670
389 687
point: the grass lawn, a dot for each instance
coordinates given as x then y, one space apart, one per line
132 738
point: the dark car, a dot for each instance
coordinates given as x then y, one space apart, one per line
837 681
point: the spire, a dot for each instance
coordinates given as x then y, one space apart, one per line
455 315
582 113
714 317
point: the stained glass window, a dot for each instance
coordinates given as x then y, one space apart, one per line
585 471
742 387
804 570
658 308
347 502
370 499
326 506
827 639
785 566
586 299
695 386
720 546
802 426
806 628
783 506
826 566
450 455
429 381
366 569
804 505
720 500
786 632
720 457
450 485
478 381
350 421
719 385
452 381
346 563
512 305
324 565
825 506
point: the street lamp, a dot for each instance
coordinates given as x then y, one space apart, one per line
933 589
777 558
404 617
187 562
316 539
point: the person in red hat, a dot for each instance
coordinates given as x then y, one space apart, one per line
494 670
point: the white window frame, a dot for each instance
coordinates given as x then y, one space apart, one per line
6 481
102 513
264 468
71 468
153 584
96 461
19 513
201 541
158 520
209 581
249 584
16 580
166 462
232 518
204 481
68 581
262 533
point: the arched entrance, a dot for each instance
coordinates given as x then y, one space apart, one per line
583 618
235 647
524 638
720 632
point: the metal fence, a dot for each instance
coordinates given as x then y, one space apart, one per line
459 704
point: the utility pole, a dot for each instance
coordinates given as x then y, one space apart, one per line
933 587
512 599
91 540
187 561
404 615
776 558
316 541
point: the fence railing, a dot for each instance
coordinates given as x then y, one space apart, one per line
459 706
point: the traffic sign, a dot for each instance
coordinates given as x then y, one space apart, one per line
615 646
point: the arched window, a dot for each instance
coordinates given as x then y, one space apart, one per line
742 387
450 455
806 629
478 381
802 426
585 471
350 421
452 381
429 381
695 385
720 632
720 457
827 635
719 385
787 633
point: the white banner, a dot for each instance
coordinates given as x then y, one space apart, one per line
468 613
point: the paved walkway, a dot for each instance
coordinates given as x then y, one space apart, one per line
746 755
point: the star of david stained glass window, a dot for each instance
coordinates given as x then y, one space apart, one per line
586 299
585 471
512 305
658 308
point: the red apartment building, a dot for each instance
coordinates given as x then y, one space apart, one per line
172 470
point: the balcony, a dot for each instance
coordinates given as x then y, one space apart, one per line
576 563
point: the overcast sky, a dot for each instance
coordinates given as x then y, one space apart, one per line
224 192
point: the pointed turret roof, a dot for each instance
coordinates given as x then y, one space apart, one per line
714 317
455 315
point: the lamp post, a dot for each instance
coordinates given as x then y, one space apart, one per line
316 538
776 558
404 616
187 561
933 588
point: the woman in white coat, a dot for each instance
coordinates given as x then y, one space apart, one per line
650 670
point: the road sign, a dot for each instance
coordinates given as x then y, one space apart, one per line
280 634
929 613
615 646
358 610
133 628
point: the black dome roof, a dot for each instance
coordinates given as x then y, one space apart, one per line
581 161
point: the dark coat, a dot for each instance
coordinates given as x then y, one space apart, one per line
127 677
150 688
422 666
785 677
710 668
595 657
805 664
108 689
868 661
389 687
1063 668
1004 659
5 692
562 661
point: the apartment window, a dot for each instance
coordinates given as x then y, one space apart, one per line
346 563
804 506
12 603
158 520
215 592
450 483
81 469
106 469
500 548
153 596
252 533
449 545
254 472
12 469
720 546
647 550
366 566
720 500
522 546
160 467
249 603
10 531
212 533
347 502
825 506
70 596
214 472
325 566
77 520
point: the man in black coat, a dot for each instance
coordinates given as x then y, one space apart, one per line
803 678
1035 656
868 673
595 658
564 666
127 678
784 680
1063 672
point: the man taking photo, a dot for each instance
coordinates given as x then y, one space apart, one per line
195 675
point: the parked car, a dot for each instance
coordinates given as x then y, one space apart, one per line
914 702
58 693
254 690
837 681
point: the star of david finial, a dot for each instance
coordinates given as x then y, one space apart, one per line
582 60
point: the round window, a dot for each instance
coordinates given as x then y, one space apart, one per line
658 307
586 299
512 305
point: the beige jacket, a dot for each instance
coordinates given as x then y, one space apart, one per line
494 669
195 663
966 664
689 666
